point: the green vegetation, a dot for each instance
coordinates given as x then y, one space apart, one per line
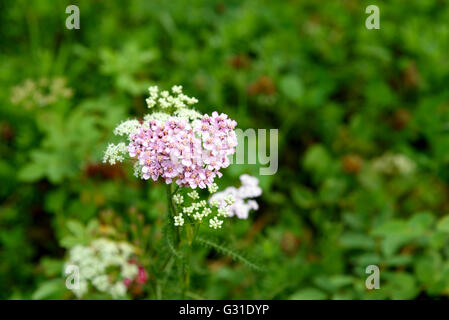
363 119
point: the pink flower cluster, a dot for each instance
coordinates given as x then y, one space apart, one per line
192 155
141 277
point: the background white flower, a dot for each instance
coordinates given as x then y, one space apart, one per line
239 207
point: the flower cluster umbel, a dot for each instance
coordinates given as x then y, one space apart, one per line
177 144
240 208
41 92
175 150
193 210
106 266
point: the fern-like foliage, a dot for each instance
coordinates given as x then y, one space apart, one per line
168 235
233 253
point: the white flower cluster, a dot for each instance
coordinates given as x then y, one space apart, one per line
127 127
115 153
179 220
233 199
394 164
41 92
137 170
99 258
213 188
199 210
215 223
165 100
189 115
194 195
178 199
178 102
159 116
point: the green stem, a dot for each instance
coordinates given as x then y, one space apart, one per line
161 283
172 213
185 246
195 232
176 190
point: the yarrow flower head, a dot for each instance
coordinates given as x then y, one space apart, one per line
106 266
177 143
235 199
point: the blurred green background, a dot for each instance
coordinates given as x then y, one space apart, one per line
363 119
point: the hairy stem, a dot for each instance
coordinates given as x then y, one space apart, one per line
172 212
185 248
